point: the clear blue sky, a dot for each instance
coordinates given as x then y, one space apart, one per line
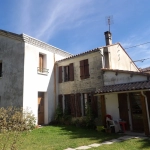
79 25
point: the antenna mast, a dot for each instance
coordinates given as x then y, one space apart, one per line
109 21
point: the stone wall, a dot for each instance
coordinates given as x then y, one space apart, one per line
11 82
85 85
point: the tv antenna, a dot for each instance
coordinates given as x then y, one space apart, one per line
109 21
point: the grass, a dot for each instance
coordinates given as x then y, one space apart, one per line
62 137
133 144
59 138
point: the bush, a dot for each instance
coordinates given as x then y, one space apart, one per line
13 121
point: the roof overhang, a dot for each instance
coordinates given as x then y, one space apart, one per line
124 88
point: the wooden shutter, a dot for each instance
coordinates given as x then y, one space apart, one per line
41 62
60 102
103 110
82 69
78 105
71 72
94 105
72 103
86 69
60 74
0 69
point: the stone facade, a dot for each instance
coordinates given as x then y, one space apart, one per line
79 85
11 82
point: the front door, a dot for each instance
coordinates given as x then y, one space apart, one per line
40 108
123 108
136 112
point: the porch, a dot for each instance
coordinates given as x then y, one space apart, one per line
132 105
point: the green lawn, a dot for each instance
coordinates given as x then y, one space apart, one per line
59 138
133 144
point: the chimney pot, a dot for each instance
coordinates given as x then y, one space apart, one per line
108 37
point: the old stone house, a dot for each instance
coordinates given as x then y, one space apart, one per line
81 75
39 76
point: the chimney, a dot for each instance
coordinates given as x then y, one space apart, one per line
108 37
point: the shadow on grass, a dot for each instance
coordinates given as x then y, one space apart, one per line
91 134
145 144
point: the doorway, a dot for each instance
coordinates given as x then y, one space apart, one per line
40 108
136 112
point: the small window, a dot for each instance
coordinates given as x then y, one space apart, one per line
84 69
68 73
0 69
42 64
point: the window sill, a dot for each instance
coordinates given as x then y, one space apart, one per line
42 71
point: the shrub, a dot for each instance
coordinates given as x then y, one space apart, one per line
13 121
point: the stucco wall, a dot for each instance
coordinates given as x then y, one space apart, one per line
118 59
85 85
34 82
11 83
110 78
111 102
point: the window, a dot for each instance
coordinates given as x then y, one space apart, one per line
72 104
84 69
42 64
68 73
90 104
0 69
67 105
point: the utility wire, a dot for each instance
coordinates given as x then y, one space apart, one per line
137 45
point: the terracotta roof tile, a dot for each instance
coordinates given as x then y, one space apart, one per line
124 87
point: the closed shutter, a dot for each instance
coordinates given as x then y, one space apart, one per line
0 69
103 110
86 69
94 105
41 63
71 72
72 103
60 102
78 104
60 74
82 69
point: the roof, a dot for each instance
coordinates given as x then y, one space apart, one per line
145 69
125 71
35 42
87 52
143 85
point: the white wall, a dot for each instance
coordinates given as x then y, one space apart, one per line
34 82
110 78
111 101
118 59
